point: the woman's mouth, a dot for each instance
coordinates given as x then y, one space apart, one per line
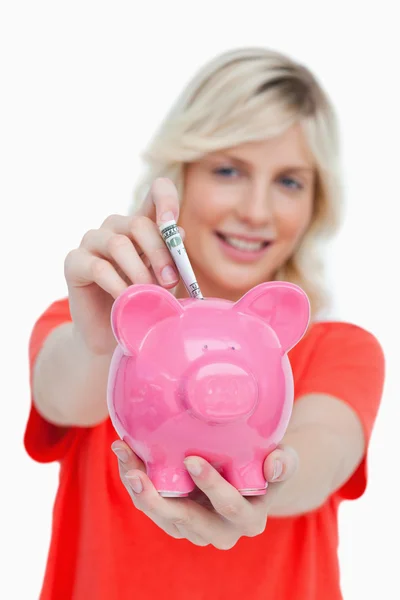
242 249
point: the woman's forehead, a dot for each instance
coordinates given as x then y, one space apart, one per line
289 148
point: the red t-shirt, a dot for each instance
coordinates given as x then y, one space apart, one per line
103 548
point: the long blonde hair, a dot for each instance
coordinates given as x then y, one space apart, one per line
250 94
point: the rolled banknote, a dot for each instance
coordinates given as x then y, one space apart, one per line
171 236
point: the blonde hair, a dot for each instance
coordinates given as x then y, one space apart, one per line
246 95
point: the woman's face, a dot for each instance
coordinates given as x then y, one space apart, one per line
244 211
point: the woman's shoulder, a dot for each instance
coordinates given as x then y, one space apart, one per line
55 314
57 309
339 338
340 330
341 358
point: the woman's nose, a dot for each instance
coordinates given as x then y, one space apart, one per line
256 205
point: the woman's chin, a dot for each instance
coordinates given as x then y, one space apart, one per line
236 282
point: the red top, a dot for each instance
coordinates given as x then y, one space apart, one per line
103 548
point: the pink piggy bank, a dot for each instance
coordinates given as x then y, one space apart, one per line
209 378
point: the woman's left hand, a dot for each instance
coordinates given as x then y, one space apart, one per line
215 513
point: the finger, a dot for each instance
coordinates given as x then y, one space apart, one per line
121 223
194 522
127 459
162 201
195 538
146 234
128 462
118 248
180 512
225 498
281 464
140 242
82 268
147 241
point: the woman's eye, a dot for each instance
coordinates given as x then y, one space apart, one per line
291 183
227 172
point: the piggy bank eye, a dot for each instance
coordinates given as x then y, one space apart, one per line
233 348
205 347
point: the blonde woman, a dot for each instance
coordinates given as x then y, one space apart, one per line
248 163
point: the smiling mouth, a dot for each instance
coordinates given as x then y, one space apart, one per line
244 245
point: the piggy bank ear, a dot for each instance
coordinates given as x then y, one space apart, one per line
284 306
137 309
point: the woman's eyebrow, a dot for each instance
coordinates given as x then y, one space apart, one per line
231 156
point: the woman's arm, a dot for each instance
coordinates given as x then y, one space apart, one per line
69 382
328 439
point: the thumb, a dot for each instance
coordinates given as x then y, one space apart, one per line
161 200
281 464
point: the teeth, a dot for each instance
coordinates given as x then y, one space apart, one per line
244 244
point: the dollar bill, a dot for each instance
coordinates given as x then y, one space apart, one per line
172 237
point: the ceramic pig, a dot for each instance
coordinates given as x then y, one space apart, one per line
208 378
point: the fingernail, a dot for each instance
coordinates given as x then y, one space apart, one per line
121 453
278 468
135 483
193 466
168 274
168 216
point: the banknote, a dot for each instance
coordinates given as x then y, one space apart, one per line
172 237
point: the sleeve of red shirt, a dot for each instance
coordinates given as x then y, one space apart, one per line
44 441
348 363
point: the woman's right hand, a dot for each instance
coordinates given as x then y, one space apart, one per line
123 251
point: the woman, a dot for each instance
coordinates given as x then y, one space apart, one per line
247 162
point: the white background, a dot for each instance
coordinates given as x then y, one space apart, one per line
83 86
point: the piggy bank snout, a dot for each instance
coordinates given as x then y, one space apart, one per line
220 392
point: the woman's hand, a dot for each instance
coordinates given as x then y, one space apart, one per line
123 251
216 513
